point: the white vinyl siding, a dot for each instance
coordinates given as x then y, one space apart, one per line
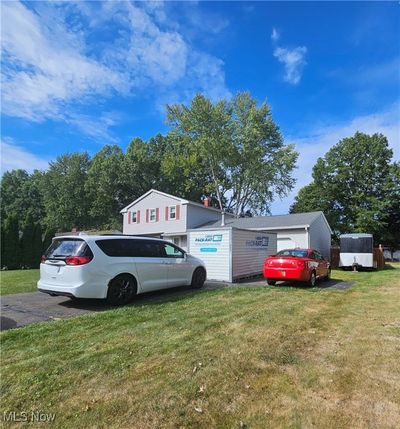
230 253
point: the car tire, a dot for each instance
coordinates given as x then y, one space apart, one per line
313 279
198 278
271 282
328 276
121 289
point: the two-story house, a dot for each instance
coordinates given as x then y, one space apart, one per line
158 214
166 216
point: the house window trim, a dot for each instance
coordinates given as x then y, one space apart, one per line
155 215
169 212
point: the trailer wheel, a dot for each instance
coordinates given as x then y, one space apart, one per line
198 278
121 289
271 282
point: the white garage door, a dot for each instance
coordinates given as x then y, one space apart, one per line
285 243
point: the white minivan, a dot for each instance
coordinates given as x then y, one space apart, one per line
116 267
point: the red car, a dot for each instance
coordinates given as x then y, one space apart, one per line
301 265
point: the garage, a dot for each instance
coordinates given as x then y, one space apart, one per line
293 230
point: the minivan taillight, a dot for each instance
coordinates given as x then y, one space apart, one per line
43 258
78 260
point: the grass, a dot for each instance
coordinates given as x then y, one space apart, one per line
18 281
270 357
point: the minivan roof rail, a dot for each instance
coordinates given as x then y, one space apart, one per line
128 235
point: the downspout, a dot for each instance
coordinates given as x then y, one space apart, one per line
308 236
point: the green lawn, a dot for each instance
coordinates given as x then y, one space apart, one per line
270 357
18 281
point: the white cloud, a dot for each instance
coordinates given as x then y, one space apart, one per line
318 142
38 74
96 128
51 65
14 157
293 61
275 35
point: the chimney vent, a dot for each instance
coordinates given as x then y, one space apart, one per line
206 202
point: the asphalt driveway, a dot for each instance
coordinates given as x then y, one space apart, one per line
27 308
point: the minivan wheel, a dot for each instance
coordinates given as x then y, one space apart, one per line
121 290
198 278
271 282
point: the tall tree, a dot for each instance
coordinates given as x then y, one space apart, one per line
205 127
104 187
240 146
26 242
352 185
63 189
37 245
47 239
261 165
21 192
10 243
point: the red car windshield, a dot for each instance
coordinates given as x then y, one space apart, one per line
299 253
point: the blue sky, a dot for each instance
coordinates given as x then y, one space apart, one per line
78 75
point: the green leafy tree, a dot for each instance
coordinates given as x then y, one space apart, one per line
104 187
261 165
204 128
183 171
353 185
26 242
10 243
64 196
20 192
391 234
239 146
47 239
37 245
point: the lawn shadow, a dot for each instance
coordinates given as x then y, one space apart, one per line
159 296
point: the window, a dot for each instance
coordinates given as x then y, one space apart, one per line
134 217
173 251
172 212
152 217
121 247
317 255
60 248
300 253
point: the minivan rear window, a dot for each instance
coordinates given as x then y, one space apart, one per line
60 248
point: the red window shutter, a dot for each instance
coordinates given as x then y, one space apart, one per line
178 212
147 215
129 217
157 214
166 213
138 216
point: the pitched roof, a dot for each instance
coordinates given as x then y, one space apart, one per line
296 220
181 200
